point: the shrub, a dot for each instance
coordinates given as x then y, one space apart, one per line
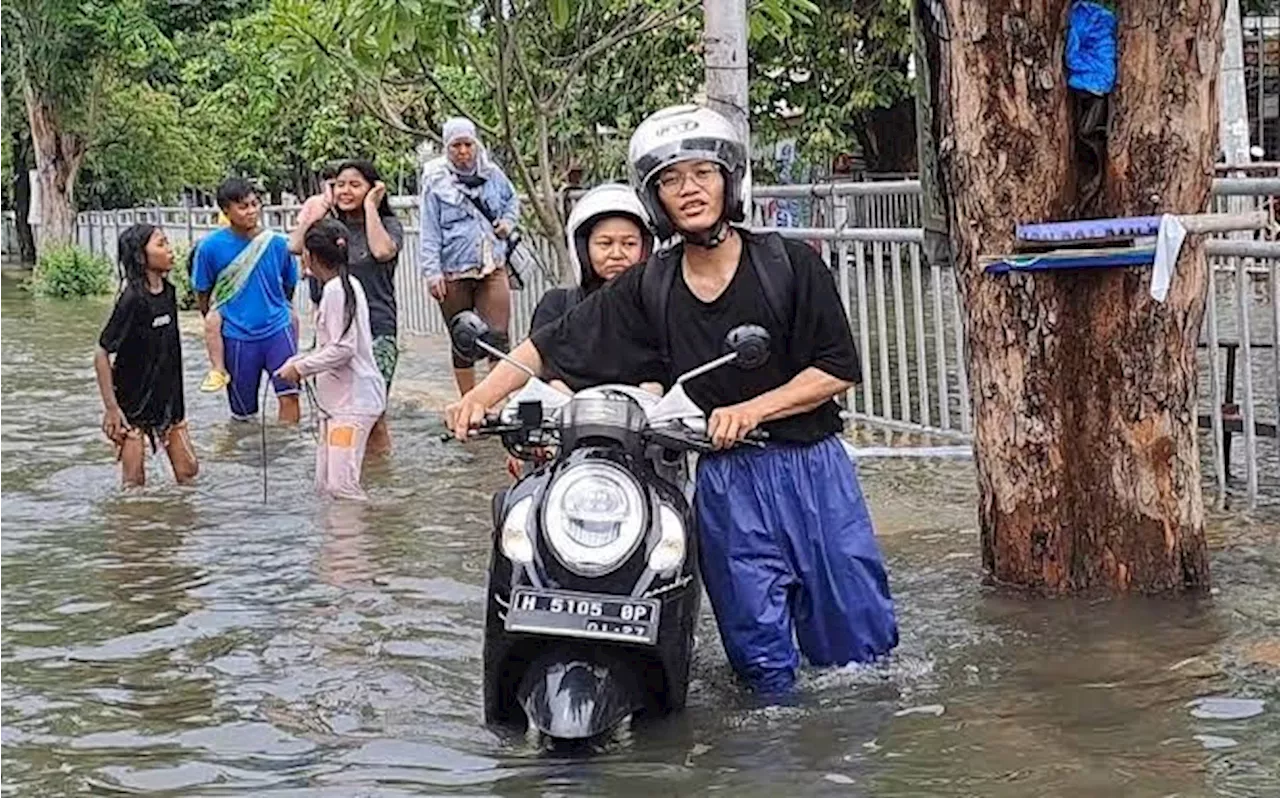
181 279
70 271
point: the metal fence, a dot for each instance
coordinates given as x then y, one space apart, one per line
9 249
904 313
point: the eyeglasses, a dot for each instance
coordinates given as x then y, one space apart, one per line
673 182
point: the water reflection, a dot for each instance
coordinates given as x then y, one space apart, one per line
344 558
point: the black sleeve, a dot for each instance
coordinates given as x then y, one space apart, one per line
550 308
605 338
820 336
121 321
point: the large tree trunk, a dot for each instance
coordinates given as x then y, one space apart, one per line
1084 387
59 154
21 152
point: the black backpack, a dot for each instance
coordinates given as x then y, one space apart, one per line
767 254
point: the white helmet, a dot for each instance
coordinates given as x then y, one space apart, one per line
689 133
610 199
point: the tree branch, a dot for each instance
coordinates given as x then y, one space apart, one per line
452 101
534 98
392 119
480 73
620 34
548 218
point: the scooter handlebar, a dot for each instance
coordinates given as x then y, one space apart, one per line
490 426
696 441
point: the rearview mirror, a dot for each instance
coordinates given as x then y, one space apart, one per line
750 342
468 331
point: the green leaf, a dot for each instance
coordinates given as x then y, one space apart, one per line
560 12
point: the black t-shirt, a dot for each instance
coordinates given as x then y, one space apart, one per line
551 307
143 335
554 303
377 277
609 336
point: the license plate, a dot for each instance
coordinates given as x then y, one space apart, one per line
586 615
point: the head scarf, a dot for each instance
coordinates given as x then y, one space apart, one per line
462 128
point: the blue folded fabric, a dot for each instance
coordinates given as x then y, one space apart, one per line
1091 48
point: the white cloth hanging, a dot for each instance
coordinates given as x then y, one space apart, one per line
1168 246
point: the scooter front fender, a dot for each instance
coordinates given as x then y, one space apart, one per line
573 695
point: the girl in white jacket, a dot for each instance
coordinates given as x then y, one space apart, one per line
350 391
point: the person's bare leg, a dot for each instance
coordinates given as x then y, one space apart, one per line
493 302
466 379
290 409
182 455
133 460
379 438
213 341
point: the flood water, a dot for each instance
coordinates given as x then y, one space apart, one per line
196 642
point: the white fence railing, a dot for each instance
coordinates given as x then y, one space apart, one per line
9 249
905 313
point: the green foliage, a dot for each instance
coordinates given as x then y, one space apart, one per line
173 96
848 63
145 149
71 271
263 114
181 278
66 49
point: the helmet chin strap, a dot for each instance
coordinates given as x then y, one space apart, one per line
709 239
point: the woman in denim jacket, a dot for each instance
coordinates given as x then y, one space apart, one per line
464 254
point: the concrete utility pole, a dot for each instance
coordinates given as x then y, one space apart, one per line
1234 135
725 40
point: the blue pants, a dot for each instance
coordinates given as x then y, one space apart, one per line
787 545
246 360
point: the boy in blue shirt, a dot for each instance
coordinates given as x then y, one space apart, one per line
247 275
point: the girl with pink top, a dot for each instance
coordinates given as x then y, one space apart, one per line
350 391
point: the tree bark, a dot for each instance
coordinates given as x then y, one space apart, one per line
21 151
59 154
1084 387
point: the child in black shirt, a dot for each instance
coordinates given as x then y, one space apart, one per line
142 389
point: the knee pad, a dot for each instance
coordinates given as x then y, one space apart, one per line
460 361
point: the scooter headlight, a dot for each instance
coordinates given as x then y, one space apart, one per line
515 541
594 517
669 553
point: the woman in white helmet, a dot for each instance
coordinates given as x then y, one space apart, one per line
786 542
608 233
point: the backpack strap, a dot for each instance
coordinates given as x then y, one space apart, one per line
772 263
655 293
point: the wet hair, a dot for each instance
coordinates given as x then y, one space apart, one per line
234 189
132 254
329 171
370 173
326 240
